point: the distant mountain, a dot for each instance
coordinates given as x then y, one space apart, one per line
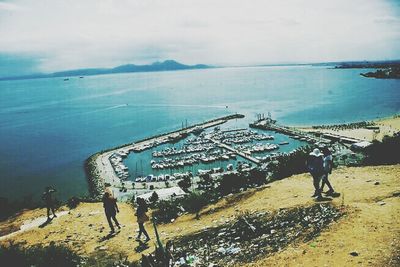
167 65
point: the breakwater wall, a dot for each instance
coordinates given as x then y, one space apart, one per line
96 183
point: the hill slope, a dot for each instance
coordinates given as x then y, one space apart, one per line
370 227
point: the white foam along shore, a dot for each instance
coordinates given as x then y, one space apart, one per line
100 171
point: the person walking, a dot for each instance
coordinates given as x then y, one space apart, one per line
48 199
315 164
142 218
328 165
111 210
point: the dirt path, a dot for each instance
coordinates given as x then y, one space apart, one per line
32 223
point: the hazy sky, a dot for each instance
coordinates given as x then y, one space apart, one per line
50 35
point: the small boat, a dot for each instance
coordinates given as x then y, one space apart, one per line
229 167
284 143
66 79
197 130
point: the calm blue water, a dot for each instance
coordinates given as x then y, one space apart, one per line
48 127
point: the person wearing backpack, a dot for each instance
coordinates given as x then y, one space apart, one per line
328 165
48 199
111 210
142 218
315 163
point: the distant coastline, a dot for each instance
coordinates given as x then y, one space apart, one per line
167 65
384 69
388 73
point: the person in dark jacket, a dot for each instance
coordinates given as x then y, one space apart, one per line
48 199
142 218
111 209
315 165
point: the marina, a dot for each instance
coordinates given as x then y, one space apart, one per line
212 147
208 148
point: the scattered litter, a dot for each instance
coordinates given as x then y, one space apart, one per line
354 253
255 233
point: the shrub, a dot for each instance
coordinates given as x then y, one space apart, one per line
165 211
194 202
385 152
185 184
294 163
257 177
231 183
73 202
153 199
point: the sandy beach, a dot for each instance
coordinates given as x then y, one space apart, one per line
387 126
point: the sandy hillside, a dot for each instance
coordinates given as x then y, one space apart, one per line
371 227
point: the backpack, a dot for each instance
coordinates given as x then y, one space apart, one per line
315 165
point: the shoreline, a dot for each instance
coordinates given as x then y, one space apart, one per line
379 128
100 173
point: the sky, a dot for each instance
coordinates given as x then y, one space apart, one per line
54 35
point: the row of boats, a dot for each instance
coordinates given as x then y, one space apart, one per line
241 166
172 151
163 177
116 160
256 148
303 138
239 137
180 162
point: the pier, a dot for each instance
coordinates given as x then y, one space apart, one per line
270 125
243 155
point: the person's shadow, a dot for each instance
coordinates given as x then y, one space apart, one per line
141 247
47 222
108 237
336 194
323 199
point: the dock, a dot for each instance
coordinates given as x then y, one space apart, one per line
266 124
237 152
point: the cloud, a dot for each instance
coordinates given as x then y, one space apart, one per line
102 33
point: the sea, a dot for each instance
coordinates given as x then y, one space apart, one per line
49 127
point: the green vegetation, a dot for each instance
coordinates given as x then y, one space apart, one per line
165 210
385 152
289 165
194 202
185 184
387 73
